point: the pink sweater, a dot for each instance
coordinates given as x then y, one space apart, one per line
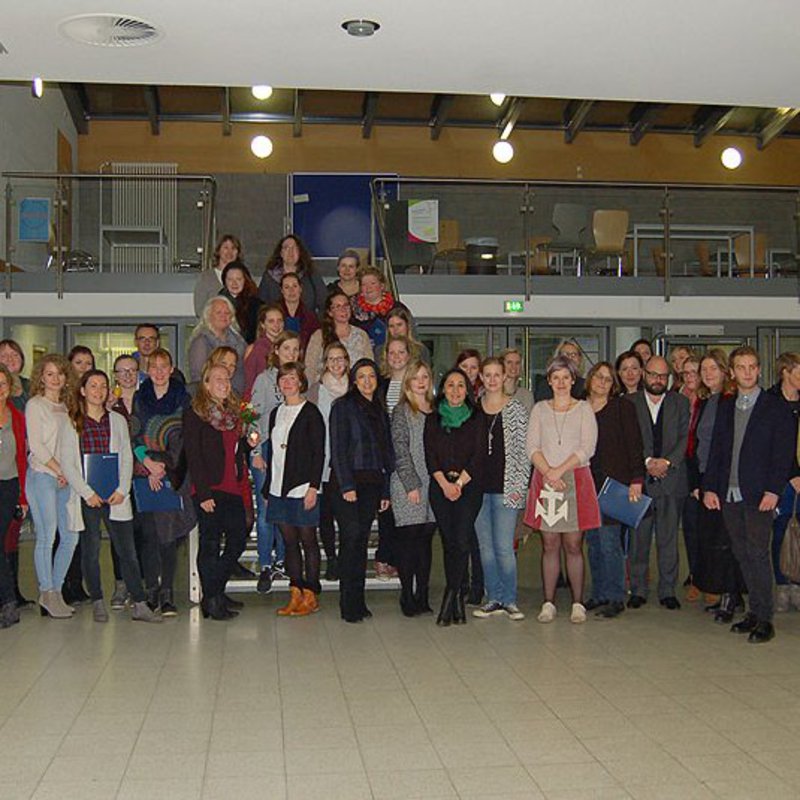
577 428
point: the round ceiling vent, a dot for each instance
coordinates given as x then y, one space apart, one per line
109 30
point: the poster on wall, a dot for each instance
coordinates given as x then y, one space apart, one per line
423 221
34 219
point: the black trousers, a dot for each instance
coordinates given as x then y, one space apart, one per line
158 559
227 521
413 552
137 540
456 522
327 532
751 536
121 535
690 518
355 522
9 494
387 538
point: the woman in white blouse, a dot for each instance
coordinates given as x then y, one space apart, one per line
46 486
562 503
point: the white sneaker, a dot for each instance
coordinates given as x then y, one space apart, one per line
548 612
512 609
489 609
578 615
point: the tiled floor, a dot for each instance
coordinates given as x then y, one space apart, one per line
655 705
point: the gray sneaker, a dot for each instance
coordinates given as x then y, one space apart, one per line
120 596
143 613
490 609
512 609
99 611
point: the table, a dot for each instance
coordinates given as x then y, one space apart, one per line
698 232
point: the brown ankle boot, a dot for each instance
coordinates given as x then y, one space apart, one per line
294 604
310 601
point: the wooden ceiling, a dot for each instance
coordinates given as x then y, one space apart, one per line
366 110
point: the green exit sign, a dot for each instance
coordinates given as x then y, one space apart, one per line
513 307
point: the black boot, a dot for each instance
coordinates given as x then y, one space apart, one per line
152 598
421 600
445 617
332 569
214 607
13 565
727 606
459 612
166 601
233 605
407 604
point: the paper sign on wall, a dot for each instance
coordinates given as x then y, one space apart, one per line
34 219
423 221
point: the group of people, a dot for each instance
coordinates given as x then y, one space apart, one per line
322 400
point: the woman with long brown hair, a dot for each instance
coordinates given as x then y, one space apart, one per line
291 256
240 288
336 327
216 447
271 323
96 431
209 284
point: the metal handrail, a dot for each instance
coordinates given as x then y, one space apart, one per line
388 269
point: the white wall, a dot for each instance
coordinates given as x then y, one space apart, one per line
28 135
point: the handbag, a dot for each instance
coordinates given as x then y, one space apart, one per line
790 548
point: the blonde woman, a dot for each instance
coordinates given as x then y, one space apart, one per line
46 485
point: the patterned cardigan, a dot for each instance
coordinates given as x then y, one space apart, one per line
517 467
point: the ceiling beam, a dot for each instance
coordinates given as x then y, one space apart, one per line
510 116
641 118
575 115
368 110
297 114
440 108
153 105
77 101
709 120
776 125
227 127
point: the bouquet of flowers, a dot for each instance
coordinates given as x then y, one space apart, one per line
249 416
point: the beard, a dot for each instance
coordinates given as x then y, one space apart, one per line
656 389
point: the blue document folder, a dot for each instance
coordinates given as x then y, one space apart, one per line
101 471
166 499
614 503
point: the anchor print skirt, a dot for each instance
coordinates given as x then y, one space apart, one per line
573 509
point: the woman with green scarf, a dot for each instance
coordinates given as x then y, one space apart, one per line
452 453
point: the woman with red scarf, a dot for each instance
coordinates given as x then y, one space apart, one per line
371 306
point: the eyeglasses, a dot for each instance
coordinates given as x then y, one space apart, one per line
662 376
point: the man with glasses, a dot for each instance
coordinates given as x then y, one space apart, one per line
147 337
664 422
751 458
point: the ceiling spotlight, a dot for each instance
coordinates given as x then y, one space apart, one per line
261 146
503 151
262 92
37 87
497 98
731 158
361 27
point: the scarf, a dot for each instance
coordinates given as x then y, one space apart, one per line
380 309
224 419
453 417
336 386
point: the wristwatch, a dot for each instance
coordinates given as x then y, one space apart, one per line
460 483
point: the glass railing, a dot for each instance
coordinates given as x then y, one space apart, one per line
539 229
135 223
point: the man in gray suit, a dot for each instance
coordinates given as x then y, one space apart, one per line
664 421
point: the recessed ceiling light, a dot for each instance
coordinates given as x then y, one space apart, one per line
261 92
497 98
261 146
503 151
361 27
731 158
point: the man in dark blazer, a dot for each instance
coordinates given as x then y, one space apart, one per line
752 452
664 422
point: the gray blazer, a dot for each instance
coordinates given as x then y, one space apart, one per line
675 419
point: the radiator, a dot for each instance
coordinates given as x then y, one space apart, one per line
145 215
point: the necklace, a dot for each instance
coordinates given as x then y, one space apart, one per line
490 436
559 431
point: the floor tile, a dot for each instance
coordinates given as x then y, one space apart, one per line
411 784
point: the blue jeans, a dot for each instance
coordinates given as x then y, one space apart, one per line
48 506
606 562
785 511
495 530
267 533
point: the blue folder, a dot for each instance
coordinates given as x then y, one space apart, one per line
614 503
166 499
101 471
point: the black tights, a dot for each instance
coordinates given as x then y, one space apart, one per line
295 536
413 560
